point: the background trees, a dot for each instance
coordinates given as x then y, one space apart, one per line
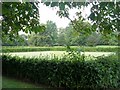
48 37
51 32
24 16
104 15
53 36
21 16
20 40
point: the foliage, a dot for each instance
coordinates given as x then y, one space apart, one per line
37 40
20 16
65 72
105 16
20 40
17 17
93 39
109 39
61 37
72 37
82 27
51 32
48 37
66 36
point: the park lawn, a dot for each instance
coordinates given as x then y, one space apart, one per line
7 49
11 83
106 46
51 54
14 83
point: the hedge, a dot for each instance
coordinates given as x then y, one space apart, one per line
58 48
68 72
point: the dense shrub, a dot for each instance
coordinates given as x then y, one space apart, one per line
58 48
104 72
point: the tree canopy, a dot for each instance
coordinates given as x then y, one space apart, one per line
24 16
20 16
104 15
48 37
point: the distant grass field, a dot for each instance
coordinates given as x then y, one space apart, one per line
105 46
51 54
57 46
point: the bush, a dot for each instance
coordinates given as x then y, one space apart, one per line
104 72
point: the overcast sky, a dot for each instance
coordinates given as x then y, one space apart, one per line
48 13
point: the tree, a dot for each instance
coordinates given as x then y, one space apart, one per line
82 29
20 16
105 16
20 40
93 39
61 37
51 32
16 17
70 36
110 39
38 39
48 37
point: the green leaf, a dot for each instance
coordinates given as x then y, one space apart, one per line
62 6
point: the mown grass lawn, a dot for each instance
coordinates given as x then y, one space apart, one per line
14 83
56 53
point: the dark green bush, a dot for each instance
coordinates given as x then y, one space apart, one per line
104 72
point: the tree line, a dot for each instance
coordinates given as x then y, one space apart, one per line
53 36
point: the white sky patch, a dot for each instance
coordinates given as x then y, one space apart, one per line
86 11
48 13
21 32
